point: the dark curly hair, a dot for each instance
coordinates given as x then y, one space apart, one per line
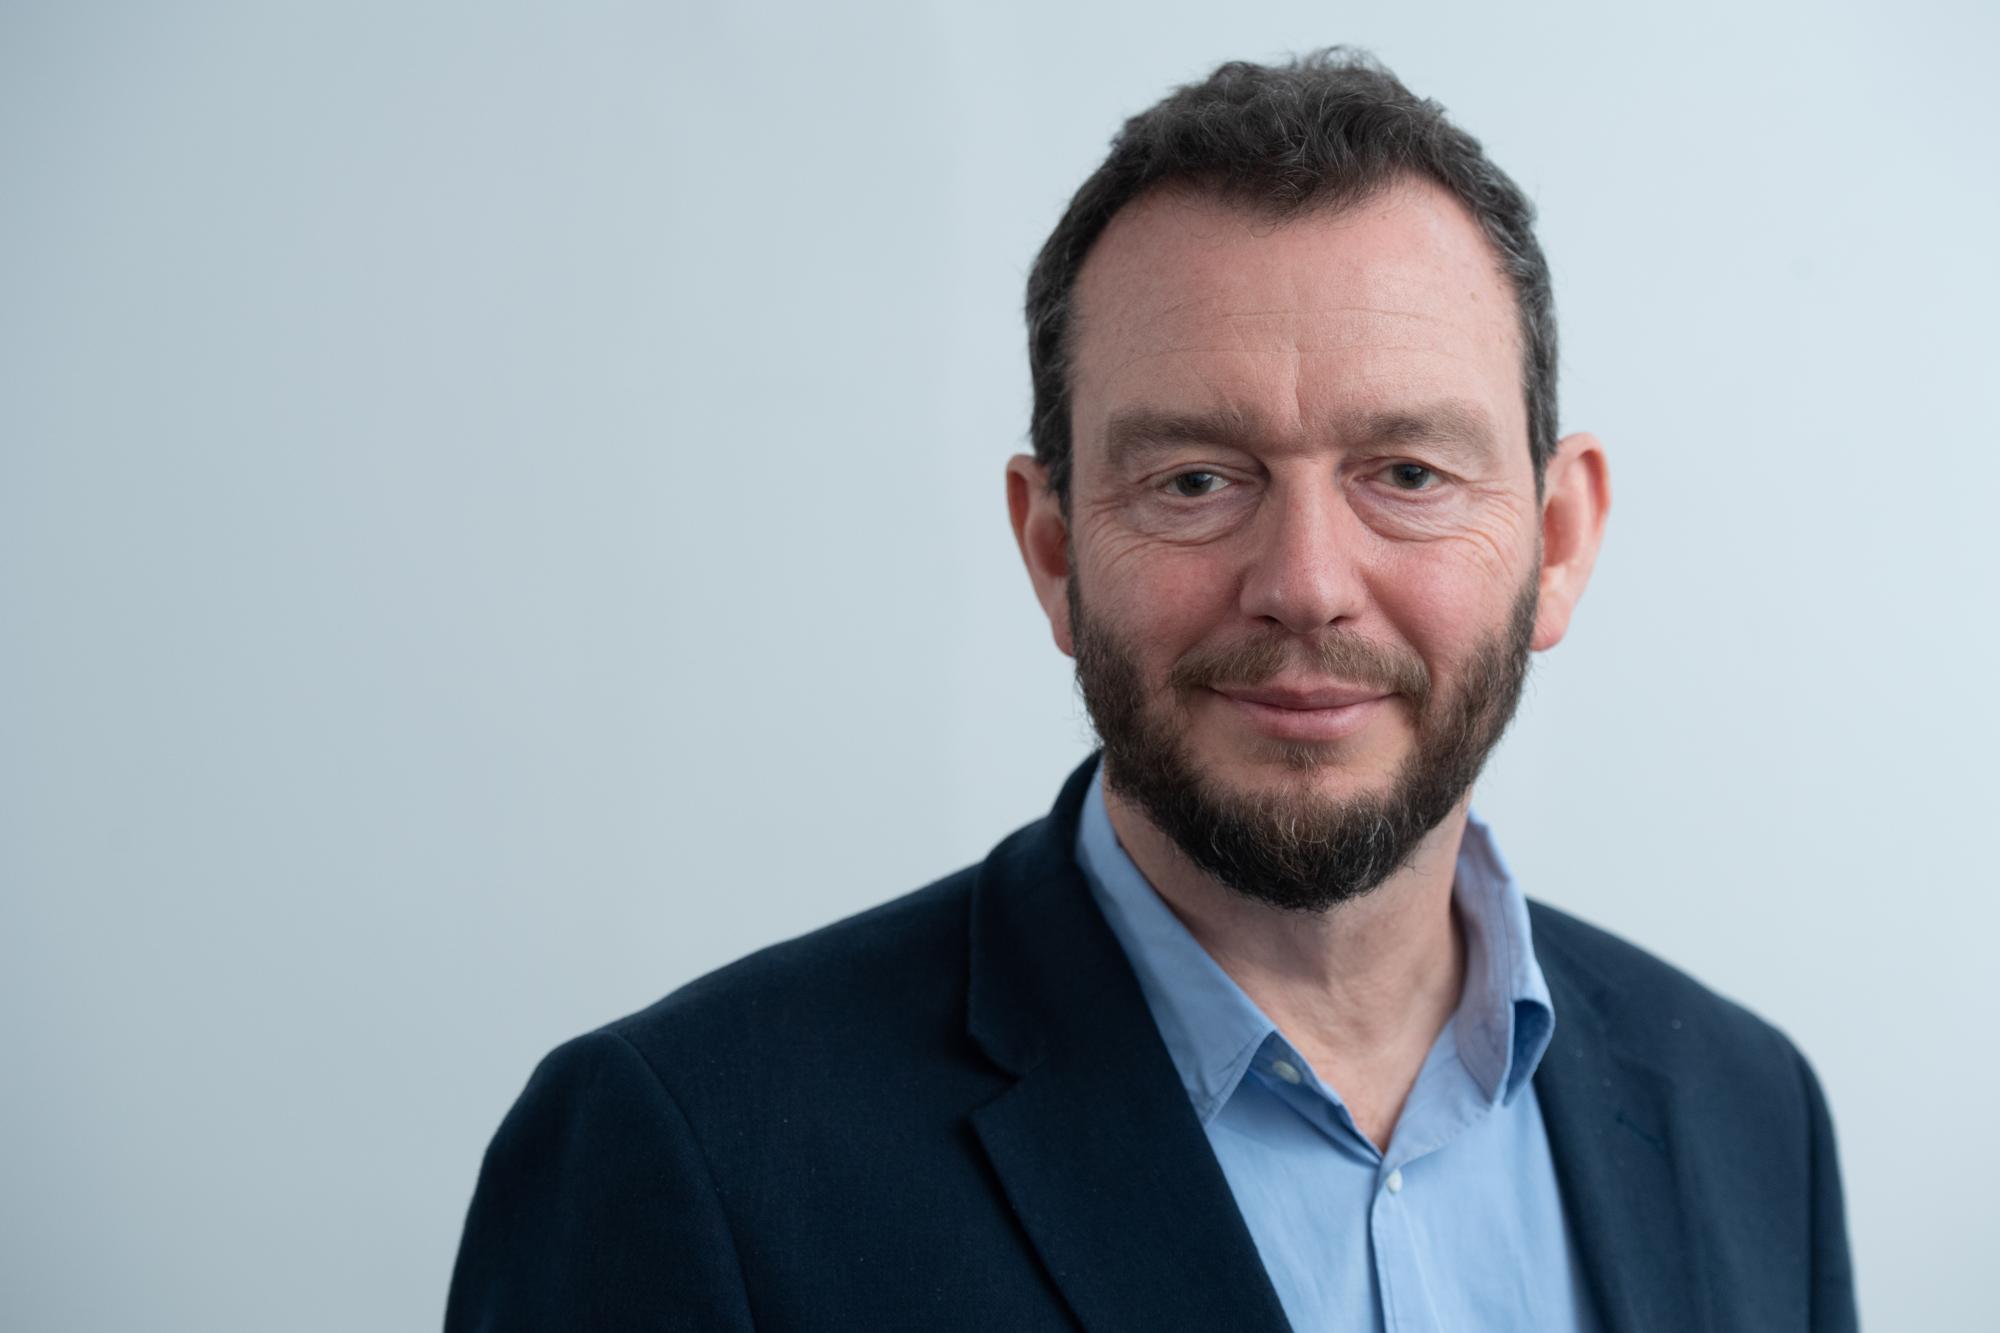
1325 130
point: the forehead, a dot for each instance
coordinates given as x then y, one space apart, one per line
1191 304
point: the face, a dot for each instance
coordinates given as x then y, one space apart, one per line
1303 564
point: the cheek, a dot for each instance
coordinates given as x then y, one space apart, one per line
1161 600
1475 555
1447 598
1476 532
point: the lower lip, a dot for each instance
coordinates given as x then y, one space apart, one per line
1307 724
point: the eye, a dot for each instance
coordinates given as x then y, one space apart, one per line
1193 485
1410 476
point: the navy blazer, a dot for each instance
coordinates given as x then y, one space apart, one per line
954 1111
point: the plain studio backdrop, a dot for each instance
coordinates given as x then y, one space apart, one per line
501 513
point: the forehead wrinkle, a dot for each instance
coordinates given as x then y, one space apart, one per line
1324 312
1293 333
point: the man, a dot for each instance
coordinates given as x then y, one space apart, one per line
1253 1030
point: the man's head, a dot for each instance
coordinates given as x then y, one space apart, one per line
1296 505
1318 135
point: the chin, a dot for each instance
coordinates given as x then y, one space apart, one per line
1368 759
1335 770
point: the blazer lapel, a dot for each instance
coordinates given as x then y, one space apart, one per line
1613 1131
1095 1143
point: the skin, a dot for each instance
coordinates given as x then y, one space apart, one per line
1290 506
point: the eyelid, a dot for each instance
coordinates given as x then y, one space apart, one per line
1438 475
1164 482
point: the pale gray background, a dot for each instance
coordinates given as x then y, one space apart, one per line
501 512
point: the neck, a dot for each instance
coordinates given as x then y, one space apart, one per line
1362 990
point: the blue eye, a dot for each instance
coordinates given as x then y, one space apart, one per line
1193 485
1410 476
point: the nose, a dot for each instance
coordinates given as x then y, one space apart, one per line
1305 569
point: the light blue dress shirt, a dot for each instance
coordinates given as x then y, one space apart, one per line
1457 1226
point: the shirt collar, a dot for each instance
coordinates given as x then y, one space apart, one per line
1213 1030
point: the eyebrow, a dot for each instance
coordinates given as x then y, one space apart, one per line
1446 422
1134 432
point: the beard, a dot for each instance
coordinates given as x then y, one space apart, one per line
1298 850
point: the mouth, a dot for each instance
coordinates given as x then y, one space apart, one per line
1301 697
1315 713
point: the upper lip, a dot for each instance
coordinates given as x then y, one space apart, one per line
1279 695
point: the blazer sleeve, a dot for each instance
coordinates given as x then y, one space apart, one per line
1833 1307
595 1209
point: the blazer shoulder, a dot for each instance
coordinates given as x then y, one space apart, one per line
867 979
1753 1138
1652 1004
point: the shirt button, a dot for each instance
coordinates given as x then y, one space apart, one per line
1395 1181
1286 1070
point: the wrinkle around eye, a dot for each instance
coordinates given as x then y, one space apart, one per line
1472 512
1160 513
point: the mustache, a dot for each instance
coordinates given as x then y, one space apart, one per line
1339 655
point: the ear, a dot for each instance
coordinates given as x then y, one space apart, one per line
1576 499
1042 533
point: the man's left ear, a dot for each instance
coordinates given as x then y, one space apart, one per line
1576 498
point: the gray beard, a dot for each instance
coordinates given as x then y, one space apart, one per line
1300 852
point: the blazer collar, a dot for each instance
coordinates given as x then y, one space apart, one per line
1096 1144
1615 1131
